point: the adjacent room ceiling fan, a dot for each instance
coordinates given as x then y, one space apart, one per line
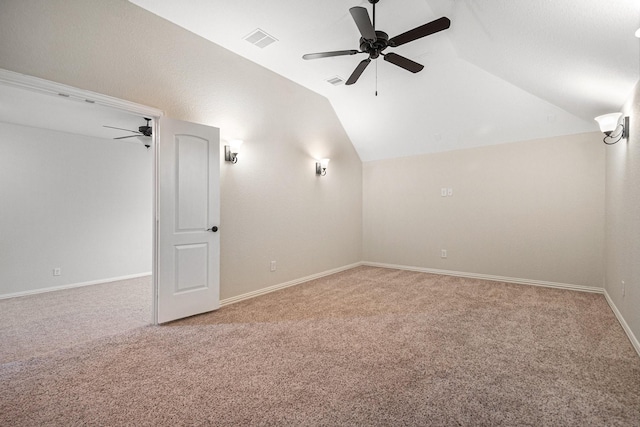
374 42
145 130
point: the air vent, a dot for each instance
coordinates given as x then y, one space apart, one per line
336 80
260 38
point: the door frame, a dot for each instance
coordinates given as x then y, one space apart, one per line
36 84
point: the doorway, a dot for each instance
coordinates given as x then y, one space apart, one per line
185 206
78 210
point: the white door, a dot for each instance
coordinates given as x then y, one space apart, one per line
188 246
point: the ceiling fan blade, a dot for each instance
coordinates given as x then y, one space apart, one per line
128 130
330 54
130 136
403 62
421 31
361 17
358 71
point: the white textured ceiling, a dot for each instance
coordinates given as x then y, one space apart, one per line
49 111
506 70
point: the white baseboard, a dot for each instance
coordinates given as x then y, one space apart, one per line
515 280
616 312
623 323
277 287
73 285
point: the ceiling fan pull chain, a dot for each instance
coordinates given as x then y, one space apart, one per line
376 74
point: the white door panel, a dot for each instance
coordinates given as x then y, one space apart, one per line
193 184
188 208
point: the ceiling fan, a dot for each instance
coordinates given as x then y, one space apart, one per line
145 130
374 42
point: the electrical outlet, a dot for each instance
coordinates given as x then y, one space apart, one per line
273 266
57 271
443 253
449 192
623 290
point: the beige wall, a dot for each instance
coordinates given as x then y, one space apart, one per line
72 202
273 205
623 219
531 210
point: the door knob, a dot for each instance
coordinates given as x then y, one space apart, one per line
214 229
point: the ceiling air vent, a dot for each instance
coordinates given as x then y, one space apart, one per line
336 80
260 38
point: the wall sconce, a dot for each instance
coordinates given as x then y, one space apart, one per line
321 167
231 150
610 126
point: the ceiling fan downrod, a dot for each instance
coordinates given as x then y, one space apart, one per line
373 2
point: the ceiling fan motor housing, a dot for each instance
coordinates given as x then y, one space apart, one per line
145 130
373 48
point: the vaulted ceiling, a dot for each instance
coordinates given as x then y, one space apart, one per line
506 70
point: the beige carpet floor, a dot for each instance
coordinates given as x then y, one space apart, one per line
367 346
36 324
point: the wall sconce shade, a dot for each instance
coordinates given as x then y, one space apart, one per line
321 167
231 150
614 130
